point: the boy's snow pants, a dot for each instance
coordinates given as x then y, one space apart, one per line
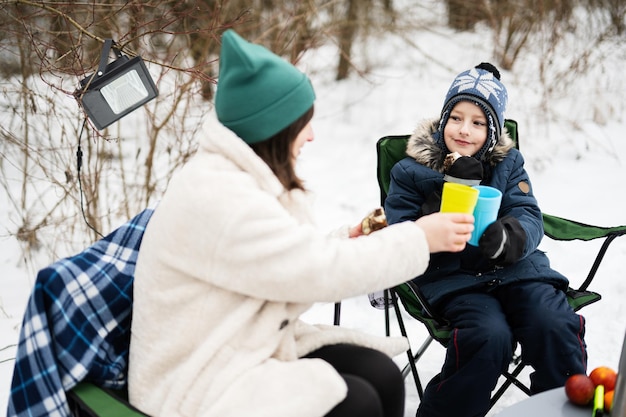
486 327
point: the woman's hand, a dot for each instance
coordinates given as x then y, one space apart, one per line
356 231
446 232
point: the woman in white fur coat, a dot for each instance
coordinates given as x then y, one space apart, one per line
231 259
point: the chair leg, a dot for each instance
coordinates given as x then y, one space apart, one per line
597 261
337 318
387 326
410 356
417 355
511 379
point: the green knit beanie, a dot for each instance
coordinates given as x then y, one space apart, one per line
258 93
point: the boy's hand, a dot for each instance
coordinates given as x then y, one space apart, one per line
503 241
465 168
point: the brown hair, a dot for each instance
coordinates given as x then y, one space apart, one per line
276 152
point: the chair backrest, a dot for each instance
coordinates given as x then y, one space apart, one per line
77 324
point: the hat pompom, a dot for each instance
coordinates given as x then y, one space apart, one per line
489 67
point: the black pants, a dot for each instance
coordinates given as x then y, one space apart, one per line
486 326
375 384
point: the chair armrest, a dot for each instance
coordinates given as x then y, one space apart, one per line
558 228
88 399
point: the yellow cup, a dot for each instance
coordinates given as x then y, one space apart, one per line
458 198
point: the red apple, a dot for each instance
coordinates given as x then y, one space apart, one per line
580 389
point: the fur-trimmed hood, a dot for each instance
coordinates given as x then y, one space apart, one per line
423 148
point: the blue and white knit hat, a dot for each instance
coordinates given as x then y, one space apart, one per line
480 85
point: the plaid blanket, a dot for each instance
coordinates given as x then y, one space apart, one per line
77 324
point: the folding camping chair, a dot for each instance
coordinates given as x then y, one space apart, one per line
72 355
391 149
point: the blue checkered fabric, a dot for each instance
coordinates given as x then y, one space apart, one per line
77 324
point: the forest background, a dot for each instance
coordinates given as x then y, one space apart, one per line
377 65
46 47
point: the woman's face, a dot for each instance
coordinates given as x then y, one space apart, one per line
305 135
466 130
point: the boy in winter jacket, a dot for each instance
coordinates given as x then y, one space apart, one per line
503 291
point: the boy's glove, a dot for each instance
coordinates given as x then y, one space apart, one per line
503 241
463 170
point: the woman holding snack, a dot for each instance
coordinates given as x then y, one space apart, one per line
231 259
498 293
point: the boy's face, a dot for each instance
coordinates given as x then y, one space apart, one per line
466 129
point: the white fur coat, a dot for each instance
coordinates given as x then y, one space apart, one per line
228 263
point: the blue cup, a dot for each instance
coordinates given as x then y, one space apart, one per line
486 210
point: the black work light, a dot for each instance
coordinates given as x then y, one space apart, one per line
115 89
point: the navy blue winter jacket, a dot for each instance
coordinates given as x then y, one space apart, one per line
416 177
